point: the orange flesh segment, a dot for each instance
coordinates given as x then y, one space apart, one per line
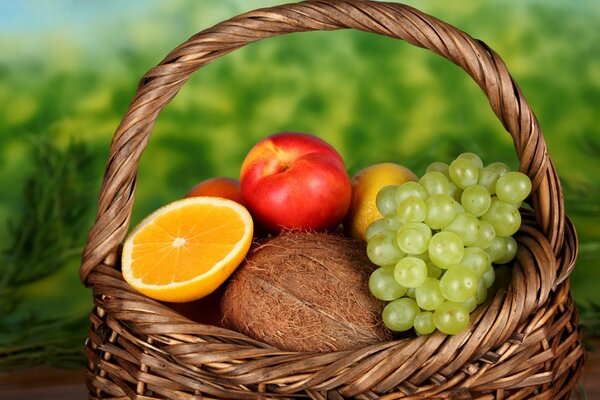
194 240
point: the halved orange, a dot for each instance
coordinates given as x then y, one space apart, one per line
186 249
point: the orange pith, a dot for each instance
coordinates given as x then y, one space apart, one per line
185 250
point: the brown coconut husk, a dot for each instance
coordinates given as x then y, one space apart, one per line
305 291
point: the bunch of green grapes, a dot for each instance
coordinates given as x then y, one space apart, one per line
438 240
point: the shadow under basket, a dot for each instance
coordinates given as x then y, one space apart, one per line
524 342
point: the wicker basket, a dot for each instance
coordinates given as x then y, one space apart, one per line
524 343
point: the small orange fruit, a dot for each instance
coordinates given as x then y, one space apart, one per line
365 185
227 188
186 249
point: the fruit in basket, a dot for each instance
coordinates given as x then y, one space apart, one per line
441 252
227 188
186 249
451 318
295 181
365 185
513 187
303 291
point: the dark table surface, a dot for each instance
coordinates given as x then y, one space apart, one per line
47 383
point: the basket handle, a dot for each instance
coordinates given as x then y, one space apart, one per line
162 83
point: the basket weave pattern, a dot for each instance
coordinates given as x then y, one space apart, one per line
523 343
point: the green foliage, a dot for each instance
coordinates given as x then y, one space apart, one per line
46 236
31 339
48 232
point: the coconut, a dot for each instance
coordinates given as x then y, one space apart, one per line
304 291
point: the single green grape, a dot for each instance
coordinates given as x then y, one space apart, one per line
438 167
513 187
413 238
476 259
412 209
434 183
410 293
383 250
497 248
488 277
446 249
488 178
458 284
463 172
500 167
466 226
451 318
441 210
410 189
375 228
384 286
410 272
505 218
511 251
476 199
386 200
487 233
474 158
424 323
428 295
399 315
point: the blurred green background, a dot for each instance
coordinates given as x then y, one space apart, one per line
68 70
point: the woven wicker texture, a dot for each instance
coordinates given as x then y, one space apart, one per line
523 343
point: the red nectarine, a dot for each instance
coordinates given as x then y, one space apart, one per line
295 181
